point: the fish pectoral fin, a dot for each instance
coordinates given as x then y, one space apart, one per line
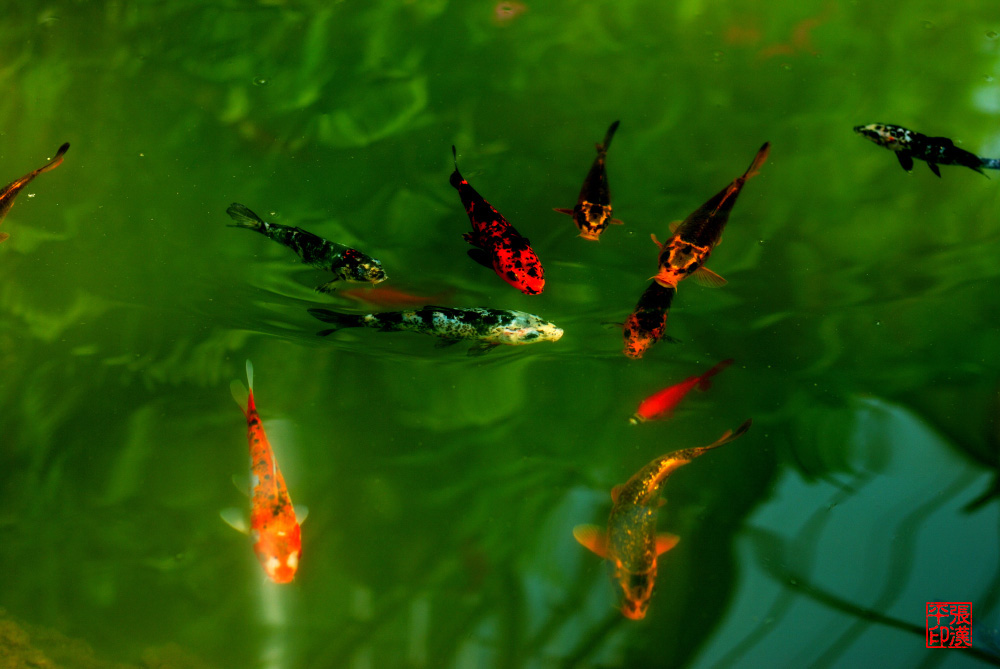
934 169
445 343
674 225
564 211
328 287
617 490
609 324
615 221
655 240
236 519
4 237
301 513
242 483
905 160
707 277
593 538
482 348
665 542
481 257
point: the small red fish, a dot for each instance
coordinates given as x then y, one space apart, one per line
630 541
647 324
661 405
10 191
497 244
274 528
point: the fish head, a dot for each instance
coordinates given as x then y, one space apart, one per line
638 588
362 268
528 329
278 548
891 137
592 219
642 329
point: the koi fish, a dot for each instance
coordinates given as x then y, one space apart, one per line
661 404
647 324
488 327
10 191
345 263
274 528
908 145
631 542
498 245
686 252
592 212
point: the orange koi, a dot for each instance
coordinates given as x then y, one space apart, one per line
661 405
630 541
10 191
274 528
686 252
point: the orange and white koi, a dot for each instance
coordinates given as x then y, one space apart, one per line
592 213
498 245
630 541
274 528
661 405
686 252
10 191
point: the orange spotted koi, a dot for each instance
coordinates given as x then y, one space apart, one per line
10 191
661 405
647 324
498 245
592 213
686 252
631 542
274 528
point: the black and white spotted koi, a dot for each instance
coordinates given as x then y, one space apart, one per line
487 327
345 263
592 213
907 145
497 244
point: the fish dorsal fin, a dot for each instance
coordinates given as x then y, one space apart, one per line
674 225
615 492
593 538
236 519
707 277
301 513
655 240
240 394
564 211
665 542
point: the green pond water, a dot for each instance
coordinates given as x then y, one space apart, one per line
862 310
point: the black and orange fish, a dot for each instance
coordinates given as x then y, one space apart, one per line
11 190
630 541
687 250
647 324
592 213
909 144
497 244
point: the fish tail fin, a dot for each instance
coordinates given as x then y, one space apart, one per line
456 177
338 319
603 146
989 163
241 394
56 160
727 437
706 381
244 217
758 160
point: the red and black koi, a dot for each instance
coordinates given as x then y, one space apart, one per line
274 528
647 324
346 263
497 244
686 252
10 191
592 213
630 541
907 145
661 404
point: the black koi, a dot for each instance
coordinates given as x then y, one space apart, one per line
592 213
907 145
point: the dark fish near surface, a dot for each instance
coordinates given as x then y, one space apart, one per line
489 327
498 245
345 263
685 253
11 190
647 323
630 541
592 213
908 145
